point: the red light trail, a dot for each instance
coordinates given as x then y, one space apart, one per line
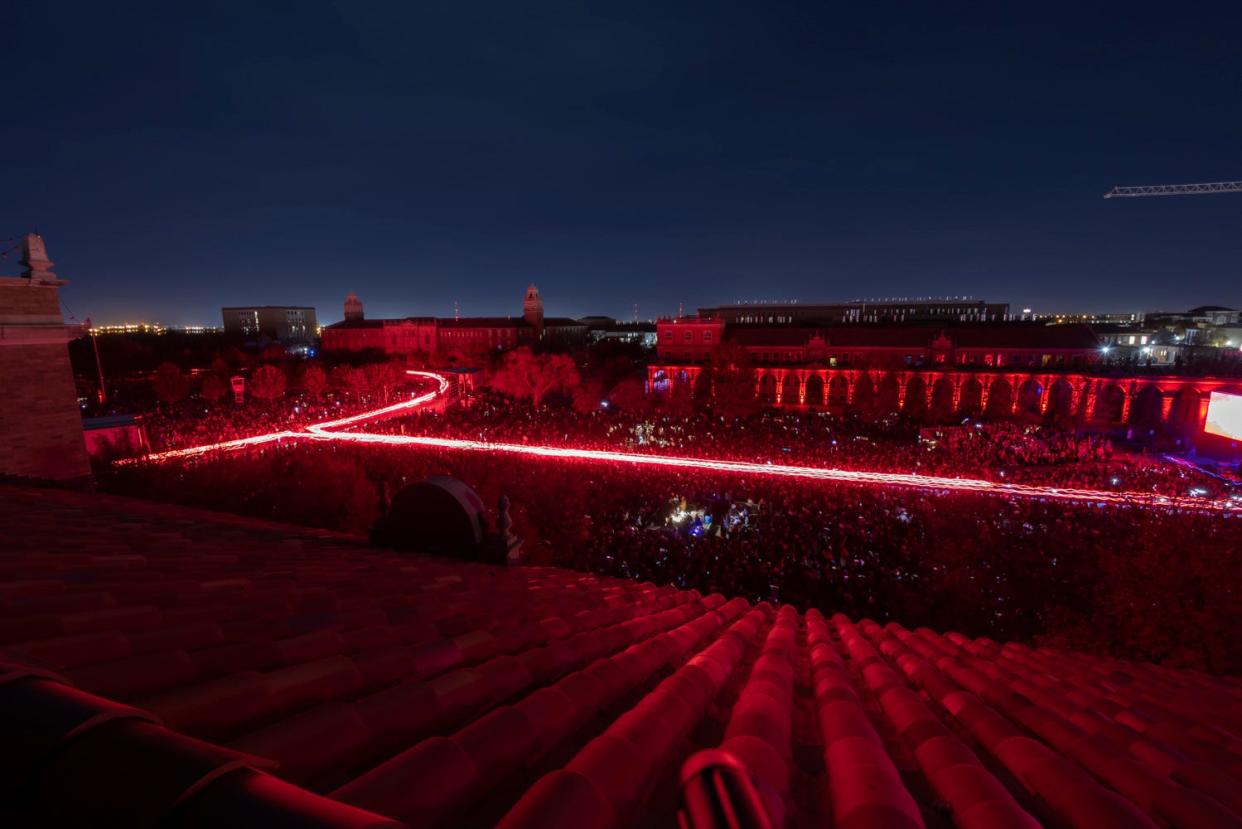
328 431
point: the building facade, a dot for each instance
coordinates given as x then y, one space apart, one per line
933 372
40 422
943 394
949 309
460 337
293 324
694 339
409 336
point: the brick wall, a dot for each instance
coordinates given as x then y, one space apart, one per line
21 298
40 423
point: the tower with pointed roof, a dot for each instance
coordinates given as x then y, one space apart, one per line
532 310
353 307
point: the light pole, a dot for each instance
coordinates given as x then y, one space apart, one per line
103 389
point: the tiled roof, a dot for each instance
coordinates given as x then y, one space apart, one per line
771 335
345 325
1020 335
159 664
1011 335
484 322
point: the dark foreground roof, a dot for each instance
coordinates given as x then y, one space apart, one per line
161 665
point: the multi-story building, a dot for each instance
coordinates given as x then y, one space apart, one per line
692 340
1211 325
412 335
463 337
1113 335
1118 318
889 310
600 329
292 324
688 339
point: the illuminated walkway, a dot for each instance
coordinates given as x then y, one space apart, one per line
331 431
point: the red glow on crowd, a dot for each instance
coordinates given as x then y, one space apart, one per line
330 431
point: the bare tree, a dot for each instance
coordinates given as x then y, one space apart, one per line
313 380
526 376
213 388
169 383
267 383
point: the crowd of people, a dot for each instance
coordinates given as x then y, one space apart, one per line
196 422
1138 582
997 451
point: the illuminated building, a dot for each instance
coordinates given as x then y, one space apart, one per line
1207 325
462 337
532 310
1121 318
934 372
693 339
285 323
599 329
412 335
887 310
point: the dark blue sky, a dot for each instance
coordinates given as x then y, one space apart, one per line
418 153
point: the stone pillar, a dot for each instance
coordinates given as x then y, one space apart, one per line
1125 406
801 388
1166 405
957 393
1085 404
40 422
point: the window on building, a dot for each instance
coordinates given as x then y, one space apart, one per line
707 336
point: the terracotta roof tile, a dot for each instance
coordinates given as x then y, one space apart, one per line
167 665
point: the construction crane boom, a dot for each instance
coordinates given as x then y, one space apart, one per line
1174 189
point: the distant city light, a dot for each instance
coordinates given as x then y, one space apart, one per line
152 328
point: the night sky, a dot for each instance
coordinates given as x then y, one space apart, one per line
179 158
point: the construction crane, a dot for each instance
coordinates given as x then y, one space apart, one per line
1174 189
